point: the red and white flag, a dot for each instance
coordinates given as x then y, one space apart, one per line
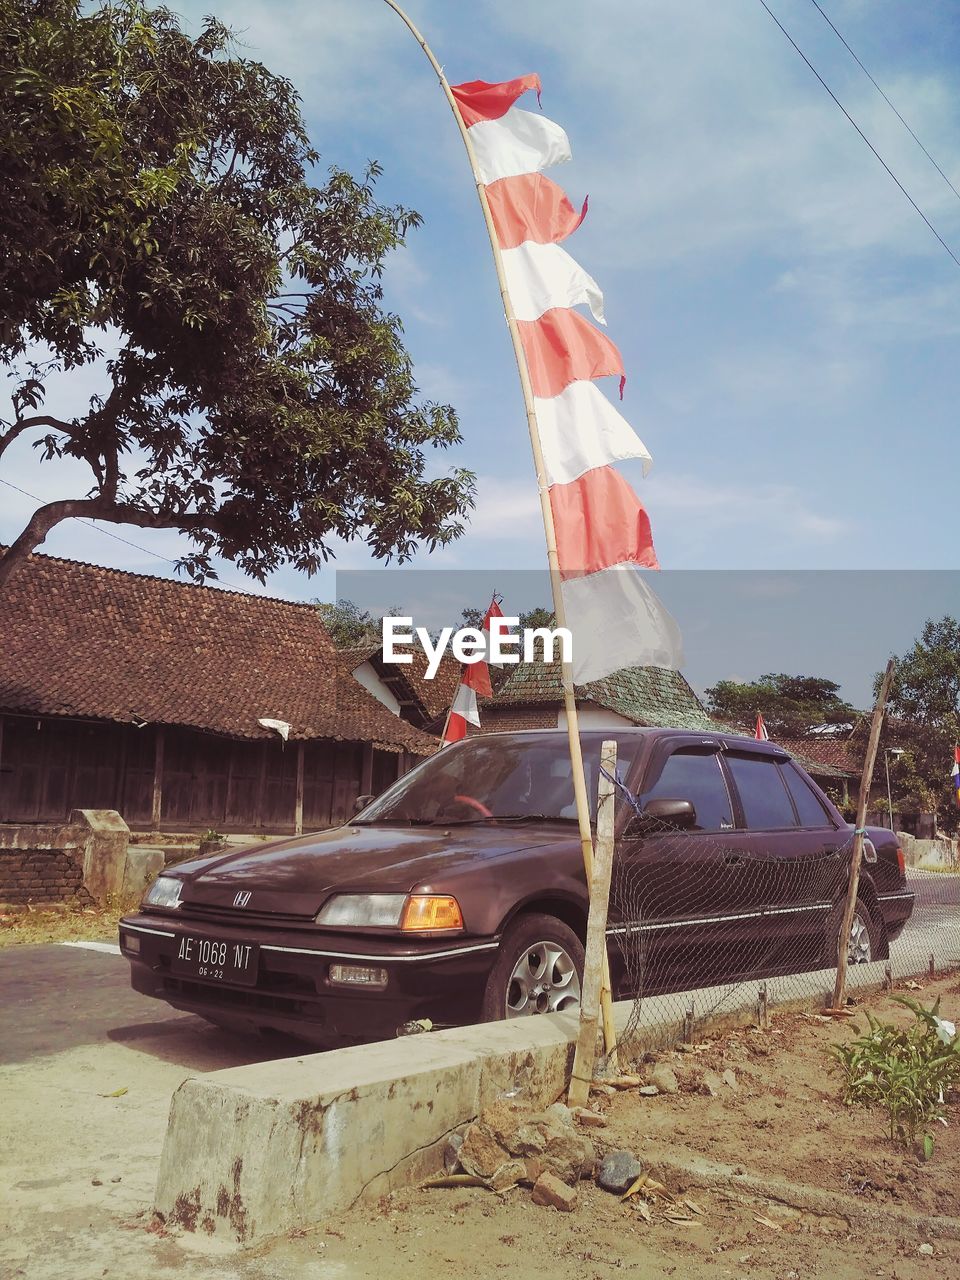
474 680
761 731
603 531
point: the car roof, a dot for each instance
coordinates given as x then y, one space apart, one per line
732 741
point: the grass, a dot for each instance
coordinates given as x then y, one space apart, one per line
64 922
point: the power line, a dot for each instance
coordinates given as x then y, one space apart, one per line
154 555
913 202
885 98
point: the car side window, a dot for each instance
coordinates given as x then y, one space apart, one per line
766 804
696 776
809 807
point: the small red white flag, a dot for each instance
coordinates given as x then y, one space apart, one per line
761 733
474 679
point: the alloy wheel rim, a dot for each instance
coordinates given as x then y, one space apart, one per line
858 948
544 980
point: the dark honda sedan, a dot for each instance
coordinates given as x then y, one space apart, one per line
459 894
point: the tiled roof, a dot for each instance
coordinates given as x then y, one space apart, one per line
79 640
820 752
645 695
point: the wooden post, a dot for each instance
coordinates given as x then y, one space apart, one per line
839 990
366 770
157 804
298 804
593 967
261 786
546 511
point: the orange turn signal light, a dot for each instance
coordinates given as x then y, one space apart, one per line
901 861
429 911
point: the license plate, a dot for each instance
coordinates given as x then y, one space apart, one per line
216 960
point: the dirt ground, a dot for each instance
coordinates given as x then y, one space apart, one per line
782 1119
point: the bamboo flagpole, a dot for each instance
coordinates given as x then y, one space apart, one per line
569 696
839 990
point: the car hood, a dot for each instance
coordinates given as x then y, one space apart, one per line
295 877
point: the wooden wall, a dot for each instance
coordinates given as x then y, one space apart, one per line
50 766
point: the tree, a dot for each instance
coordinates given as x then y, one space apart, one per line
536 617
790 705
349 626
924 704
158 202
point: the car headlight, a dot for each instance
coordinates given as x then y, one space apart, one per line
363 910
164 892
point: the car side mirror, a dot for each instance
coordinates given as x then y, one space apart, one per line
361 802
662 815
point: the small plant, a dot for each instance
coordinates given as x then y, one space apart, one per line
211 837
905 1070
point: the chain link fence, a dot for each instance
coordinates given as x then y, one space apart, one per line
718 926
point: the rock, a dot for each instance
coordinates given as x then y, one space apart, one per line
528 1140
729 1079
590 1119
648 1091
711 1084
451 1152
664 1078
549 1190
926 1251
618 1169
508 1175
480 1153
560 1112
571 1156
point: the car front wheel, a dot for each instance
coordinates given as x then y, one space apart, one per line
538 970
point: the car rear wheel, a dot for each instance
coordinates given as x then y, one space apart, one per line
538 970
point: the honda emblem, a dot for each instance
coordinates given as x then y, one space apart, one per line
242 898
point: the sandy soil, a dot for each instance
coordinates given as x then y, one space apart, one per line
784 1119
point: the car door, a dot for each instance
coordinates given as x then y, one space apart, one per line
676 894
788 867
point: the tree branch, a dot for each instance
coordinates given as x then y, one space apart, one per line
24 424
47 517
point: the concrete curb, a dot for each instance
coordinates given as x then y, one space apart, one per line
255 1151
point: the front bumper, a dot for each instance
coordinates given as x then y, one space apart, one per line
439 979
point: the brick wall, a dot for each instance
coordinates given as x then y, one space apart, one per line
83 859
42 875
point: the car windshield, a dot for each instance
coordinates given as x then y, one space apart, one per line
491 778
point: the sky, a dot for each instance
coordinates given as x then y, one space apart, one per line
789 324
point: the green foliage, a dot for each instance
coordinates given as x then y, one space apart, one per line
790 705
350 626
906 1071
536 617
924 704
161 204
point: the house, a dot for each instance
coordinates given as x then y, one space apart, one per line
403 687
531 697
136 693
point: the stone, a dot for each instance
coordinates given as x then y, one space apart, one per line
729 1079
648 1091
559 1111
451 1152
571 1156
664 1078
480 1153
549 1190
589 1119
711 1084
618 1170
925 1250
508 1175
